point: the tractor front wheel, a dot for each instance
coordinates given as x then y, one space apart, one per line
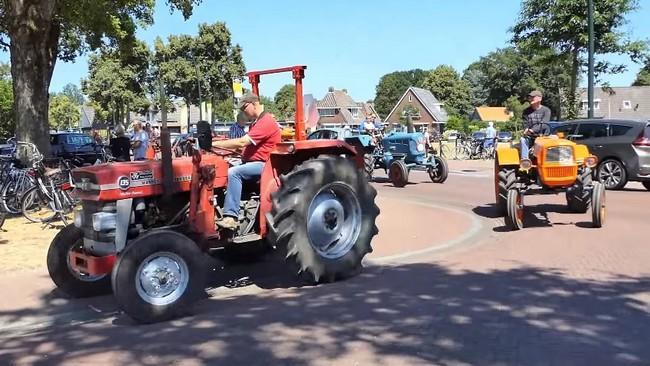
579 198
504 179
440 172
324 214
369 165
398 173
515 216
158 276
66 278
598 208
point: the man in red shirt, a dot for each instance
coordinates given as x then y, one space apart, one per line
262 137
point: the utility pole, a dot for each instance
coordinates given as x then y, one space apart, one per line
590 76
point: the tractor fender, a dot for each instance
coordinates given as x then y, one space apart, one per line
286 157
581 152
365 141
507 155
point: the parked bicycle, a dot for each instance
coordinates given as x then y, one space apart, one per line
16 179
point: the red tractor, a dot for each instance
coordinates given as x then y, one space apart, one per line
143 227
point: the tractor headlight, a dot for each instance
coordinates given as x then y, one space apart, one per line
591 161
525 164
78 218
103 221
420 147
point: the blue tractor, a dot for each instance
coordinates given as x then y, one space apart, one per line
399 152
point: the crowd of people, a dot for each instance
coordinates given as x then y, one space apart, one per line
142 144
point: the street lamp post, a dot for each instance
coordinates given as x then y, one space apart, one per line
590 76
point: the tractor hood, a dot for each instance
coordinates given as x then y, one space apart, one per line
113 181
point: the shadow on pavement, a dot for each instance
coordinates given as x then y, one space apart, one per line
417 313
535 216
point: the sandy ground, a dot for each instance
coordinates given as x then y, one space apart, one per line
23 245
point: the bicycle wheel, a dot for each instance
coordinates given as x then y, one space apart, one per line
37 207
463 152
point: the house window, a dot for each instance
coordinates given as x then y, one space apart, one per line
627 104
596 104
410 98
354 112
327 112
585 104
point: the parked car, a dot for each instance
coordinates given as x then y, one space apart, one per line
330 134
75 146
504 136
622 148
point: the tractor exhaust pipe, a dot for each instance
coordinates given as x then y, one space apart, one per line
165 146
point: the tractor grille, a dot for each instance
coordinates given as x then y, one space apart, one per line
561 171
559 154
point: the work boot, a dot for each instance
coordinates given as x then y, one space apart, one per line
228 223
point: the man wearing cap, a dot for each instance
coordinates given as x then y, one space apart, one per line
262 137
534 117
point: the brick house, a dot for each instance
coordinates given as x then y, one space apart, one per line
424 108
629 102
338 108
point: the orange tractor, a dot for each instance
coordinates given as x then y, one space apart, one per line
556 165
143 227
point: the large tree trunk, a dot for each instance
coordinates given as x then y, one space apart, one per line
572 105
34 37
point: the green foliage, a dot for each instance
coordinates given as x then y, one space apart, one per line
458 123
270 106
509 72
516 107
447 86
643 77
409 111
7 121
73 92
63 112
285 100
223 111
118 80
392 86
561 26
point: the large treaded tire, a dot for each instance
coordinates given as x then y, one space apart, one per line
646 185
515 217
598 205
128 287
579 199
504 179
442 171
398 173
369 165
73 284
291 209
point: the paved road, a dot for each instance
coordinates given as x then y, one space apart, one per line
447 284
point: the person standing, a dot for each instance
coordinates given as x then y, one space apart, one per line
120 145
490 135
534 117
237 129
139 141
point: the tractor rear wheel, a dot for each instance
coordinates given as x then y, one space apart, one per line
578 199
440 173
515 216
369 165
158 276
68 280
504 179
324 213
598 207
398 173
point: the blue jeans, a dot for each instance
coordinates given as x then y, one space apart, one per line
236 175
525 148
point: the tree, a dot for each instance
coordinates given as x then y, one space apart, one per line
270 106
392 86
509 72
73 92
516 107
7 124
119 81
223 111
447 86
285 100
39 32
643 77
561 25
220 62
63 112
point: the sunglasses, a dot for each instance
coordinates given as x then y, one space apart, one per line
243 108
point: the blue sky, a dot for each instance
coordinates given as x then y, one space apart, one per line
351 44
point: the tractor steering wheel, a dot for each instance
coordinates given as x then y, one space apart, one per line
544 130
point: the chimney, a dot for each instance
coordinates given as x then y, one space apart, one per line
345 91
330 89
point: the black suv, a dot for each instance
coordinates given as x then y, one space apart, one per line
75 146
622 148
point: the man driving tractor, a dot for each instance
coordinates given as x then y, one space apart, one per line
535 116
262 137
